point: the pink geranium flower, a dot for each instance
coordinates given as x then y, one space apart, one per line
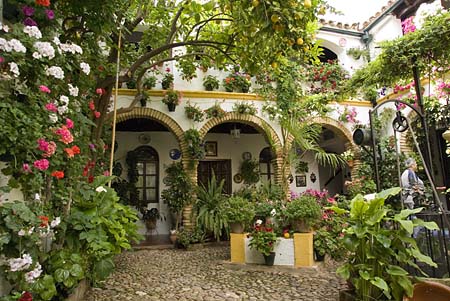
64 134
42 164
44 89
51 107
69 123
99 91
26 168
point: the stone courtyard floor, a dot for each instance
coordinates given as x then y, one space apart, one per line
207 274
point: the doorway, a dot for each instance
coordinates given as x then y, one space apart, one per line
222 170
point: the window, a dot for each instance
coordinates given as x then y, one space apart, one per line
265 165
147 165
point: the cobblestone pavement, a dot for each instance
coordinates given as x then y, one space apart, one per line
206 274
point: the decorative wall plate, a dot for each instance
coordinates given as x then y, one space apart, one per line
144 138
237 178
247 156
174 154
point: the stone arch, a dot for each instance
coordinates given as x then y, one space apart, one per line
167 121
259 124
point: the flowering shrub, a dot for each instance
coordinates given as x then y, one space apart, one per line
325 77
408 25
215 111
48 105
348 115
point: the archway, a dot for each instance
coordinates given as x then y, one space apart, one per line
260 126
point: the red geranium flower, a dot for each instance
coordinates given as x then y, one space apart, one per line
26 296
43 2
44 220
59 174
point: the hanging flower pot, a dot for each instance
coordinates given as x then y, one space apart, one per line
269 259
171 107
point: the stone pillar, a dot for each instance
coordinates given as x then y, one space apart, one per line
303 249
237 247
190 166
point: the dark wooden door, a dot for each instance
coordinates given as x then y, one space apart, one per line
222 170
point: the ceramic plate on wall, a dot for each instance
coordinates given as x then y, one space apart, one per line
237 178
144 138
174 154
247 156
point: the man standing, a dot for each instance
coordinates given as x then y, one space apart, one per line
411 184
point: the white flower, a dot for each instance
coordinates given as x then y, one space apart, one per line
4 27
72 48
32 32
56 72
14 69
55 222
273 212
45 49
53 118
21 232
258 222
4 45
32 275
64 100
85 68
17 46
21 263
73 91
31 231
100 189
62 110
37 197
56 41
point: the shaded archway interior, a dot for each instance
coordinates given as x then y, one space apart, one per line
226 127
327 55
141 125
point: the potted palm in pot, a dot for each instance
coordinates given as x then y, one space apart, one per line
302 212
239 213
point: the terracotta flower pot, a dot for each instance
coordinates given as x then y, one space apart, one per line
428 290
237 227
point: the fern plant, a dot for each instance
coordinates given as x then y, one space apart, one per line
210 208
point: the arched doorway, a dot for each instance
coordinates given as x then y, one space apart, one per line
267 171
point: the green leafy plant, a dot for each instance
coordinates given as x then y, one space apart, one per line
380 245
211 83
187 237
250 171
357 53
171 97
193 112
179 192
239 210
167 81
210 208
131 83
150 82
305 207
245 108
263 239
195 144
215 111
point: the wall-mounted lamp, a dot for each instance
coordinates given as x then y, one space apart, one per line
235 133
313 177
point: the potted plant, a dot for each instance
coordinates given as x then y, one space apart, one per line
245 108
215 111
239 212
348 156
131 84
228 83
150 82
151 217
302 212
195 144
243 82
193 112
380 246
211 83
171 99
263 240
187 237
179 192
143 98
167 81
